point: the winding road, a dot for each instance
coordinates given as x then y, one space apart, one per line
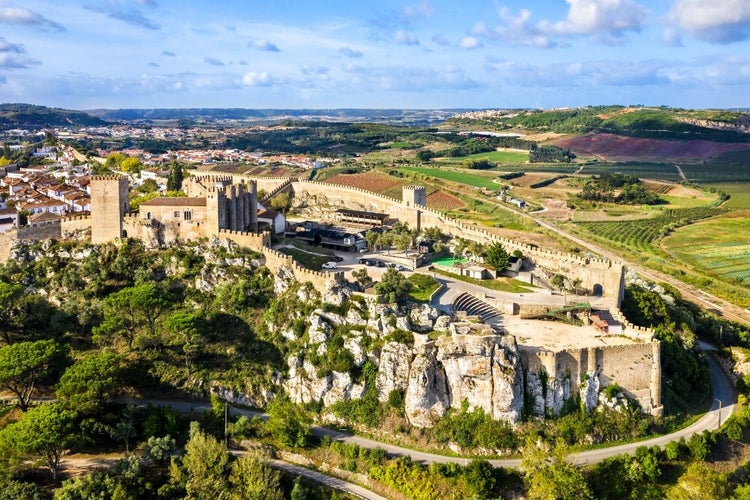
724 403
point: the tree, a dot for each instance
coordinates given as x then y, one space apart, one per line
549 475
371 237
393 287
23 364
558 281
184 332
131 165
90 381
698 482
202 470
252 478
497 257
175 177
281 202
46 430
287 424
577 285
10 296
129 311
362 277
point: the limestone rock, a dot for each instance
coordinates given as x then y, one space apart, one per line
353 344
589 390
485 371
422 318
427 392
393 369
319 329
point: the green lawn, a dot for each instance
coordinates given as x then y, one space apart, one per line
509 285
474 180
493 156
423 287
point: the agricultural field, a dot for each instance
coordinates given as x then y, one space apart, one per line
719 247
739 194
377 182
461 177
444 202
641 234
502 156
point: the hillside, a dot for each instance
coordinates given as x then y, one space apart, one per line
30 116
654 123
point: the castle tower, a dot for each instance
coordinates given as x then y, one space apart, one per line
253 206
109 204
413 196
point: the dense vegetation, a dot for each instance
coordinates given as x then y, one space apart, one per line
631 190
37 117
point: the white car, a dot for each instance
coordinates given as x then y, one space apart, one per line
329 265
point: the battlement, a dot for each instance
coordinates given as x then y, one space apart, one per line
108 177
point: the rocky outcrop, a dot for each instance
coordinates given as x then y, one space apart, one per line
393 369
427 391
485 371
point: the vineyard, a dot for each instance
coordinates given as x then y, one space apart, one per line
639 234
719 247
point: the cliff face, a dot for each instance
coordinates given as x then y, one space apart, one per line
468 362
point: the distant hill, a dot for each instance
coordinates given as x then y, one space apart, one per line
210 115
652 123
30 116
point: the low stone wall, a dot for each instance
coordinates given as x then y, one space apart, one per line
319 279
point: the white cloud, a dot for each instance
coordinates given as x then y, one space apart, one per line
213 61
422 9
405 37
608 18
19 15
469 42
255 79
265 45
605 21
125 13
516 30
720 21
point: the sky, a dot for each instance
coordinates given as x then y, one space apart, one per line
435 54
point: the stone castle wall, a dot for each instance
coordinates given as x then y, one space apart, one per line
636 368
276 260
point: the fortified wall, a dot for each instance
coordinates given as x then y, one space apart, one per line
601 276
636 368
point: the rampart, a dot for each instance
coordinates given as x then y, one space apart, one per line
599 276
635 368
275 260
267 184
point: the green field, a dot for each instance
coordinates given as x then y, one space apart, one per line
474 180
739 193
640 234
493 156
719 247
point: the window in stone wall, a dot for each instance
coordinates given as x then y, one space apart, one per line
187 215
176 214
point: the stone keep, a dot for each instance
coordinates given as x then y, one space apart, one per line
109 204
414 196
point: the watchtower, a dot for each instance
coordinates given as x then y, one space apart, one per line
109 204
413 196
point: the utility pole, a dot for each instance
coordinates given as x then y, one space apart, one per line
226 434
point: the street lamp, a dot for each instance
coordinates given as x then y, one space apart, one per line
718 426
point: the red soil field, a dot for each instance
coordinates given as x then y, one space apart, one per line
371 181
621 148
440 200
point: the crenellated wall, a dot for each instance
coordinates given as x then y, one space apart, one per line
275 260
636 368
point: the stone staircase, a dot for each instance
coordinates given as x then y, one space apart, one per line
475 307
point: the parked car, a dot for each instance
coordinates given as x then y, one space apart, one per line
401 268
380 263
329 265
362 260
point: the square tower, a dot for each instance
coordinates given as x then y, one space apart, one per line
414 196
109 204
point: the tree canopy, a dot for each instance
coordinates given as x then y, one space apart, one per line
23 364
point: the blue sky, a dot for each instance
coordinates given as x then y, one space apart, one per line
374 54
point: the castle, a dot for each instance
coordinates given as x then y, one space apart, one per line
225 206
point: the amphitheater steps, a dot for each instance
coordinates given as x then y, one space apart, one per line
475 307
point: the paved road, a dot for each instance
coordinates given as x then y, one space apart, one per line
327 480
723 405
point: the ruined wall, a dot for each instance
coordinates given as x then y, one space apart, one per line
636 368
